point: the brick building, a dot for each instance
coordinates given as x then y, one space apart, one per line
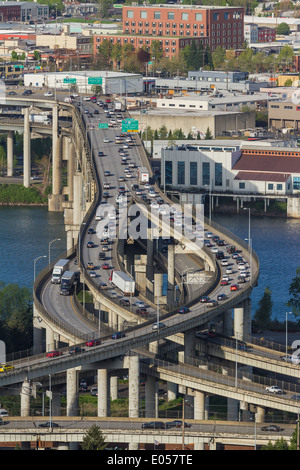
176 26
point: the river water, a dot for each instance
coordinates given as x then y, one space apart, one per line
25 233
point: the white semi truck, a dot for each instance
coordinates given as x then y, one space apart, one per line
58 269
123 282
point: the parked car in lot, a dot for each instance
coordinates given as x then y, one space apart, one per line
90 245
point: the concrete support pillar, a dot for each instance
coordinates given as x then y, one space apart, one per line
232 409
71 169
114 387
56 199
72 393
189 346
25 398
171 274
56 401
150 397
50 341
199 405
10 153
238 324
172 391
150 261
134 386
260 414
26 150
103 393
247 317
227 323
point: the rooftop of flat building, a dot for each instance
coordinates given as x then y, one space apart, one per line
184 7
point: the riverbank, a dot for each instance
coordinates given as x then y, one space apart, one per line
18 195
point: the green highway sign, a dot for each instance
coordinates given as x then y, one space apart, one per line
70 80
130 125
103 125
95 80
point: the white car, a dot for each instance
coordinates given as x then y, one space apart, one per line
48 93
224 262
228 270
140 304
106 140
86 98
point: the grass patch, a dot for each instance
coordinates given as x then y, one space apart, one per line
18 194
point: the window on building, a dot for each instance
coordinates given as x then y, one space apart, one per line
144 15
180 172
157 15
184 16
296 182
270 186
171 15
193 173
279 187
218 174
241 185
216 16
168 172
129 13
198 16
205 174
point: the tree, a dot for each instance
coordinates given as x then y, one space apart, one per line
218 58
15 317
2 160
208 134
283 29
263 314
294 292
93 439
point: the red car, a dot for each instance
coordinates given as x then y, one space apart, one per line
105 266
234 287
224 282
93 342
54 353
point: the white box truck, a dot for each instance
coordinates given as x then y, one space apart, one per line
123 282
143 175
39 118
59 268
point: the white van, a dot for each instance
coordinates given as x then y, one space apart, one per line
3 412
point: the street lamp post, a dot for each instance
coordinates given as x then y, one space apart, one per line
34 263
50 243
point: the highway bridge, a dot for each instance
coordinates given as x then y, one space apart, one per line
172 352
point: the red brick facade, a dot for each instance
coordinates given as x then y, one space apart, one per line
177 26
